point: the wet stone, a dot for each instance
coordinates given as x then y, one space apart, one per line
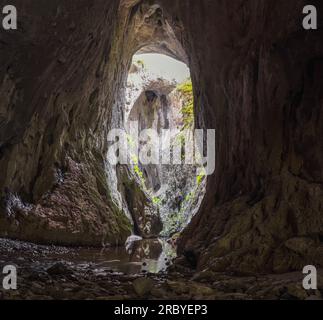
143 286
59 269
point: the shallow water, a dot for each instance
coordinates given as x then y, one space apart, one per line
152 256
137 256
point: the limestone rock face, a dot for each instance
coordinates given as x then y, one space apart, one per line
258 80
73 213
257 76
143 211
57 85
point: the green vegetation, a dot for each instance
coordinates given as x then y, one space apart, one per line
156 200
200 177
188 115
190 196
138 172
186 89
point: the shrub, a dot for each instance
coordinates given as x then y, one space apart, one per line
186 89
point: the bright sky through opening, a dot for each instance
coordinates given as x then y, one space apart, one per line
163 66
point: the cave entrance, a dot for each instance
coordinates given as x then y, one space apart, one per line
160 105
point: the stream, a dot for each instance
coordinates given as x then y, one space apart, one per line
137 256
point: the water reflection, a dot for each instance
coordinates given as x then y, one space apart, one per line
138 256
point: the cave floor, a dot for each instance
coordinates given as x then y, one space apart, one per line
50 272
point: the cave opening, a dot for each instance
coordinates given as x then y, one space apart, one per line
160 100
159 182
160 186
79 197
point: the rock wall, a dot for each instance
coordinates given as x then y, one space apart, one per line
58 83
144 213
258 82
62 76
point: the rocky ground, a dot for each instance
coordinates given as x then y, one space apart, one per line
43 277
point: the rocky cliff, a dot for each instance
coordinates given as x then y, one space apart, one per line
58 87
257 75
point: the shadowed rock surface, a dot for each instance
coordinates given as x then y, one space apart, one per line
263 96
